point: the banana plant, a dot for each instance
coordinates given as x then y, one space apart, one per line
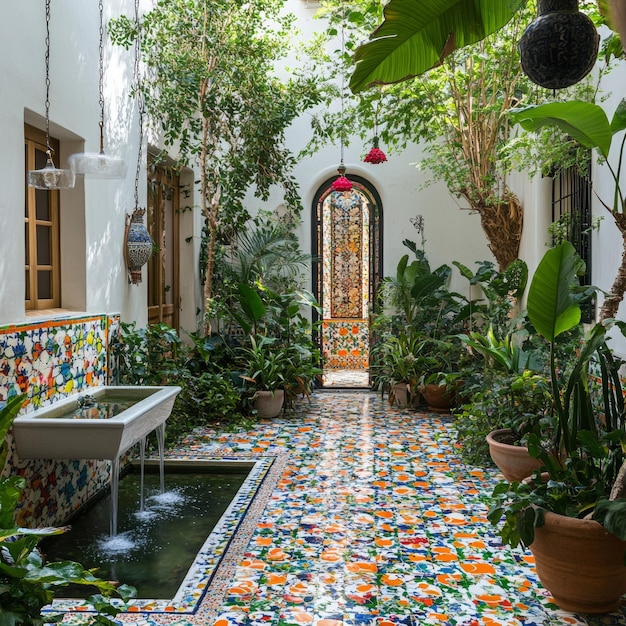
417 35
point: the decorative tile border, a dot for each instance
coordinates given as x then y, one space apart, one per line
223 548
345 343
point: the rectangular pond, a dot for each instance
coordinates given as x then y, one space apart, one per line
170 550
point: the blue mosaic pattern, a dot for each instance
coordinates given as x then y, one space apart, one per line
374 519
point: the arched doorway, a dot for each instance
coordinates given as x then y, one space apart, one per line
347 243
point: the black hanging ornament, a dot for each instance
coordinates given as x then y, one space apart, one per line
560 47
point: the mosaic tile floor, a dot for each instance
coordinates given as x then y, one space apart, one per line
346 378
372 519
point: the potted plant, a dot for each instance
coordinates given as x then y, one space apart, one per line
514 401
440 379
265 364
401 361
572 512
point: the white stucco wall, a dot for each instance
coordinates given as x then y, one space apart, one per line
93 214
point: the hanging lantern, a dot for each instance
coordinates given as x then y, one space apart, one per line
98 164
341 183
138 243
560 47
138 249
49 177
375 155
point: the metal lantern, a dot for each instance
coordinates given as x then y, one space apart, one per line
50 176
560 47
138 247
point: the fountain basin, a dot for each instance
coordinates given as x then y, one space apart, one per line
97 423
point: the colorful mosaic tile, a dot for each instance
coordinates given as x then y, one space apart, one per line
52 359
48 360
345 344
373 519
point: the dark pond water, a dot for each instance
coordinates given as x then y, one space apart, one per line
155 548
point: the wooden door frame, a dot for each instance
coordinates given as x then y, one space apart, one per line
163 176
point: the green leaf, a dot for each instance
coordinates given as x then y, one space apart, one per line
526 526
7 414
552 309
612 515
618 123
417 34
251 302
586 122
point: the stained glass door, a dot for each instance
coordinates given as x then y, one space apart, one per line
347 240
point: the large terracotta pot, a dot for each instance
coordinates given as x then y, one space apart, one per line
513 461
580 563
268 403
439 398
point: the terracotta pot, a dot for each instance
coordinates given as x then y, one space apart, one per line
513 461
580 563
439 398
399 395
268 403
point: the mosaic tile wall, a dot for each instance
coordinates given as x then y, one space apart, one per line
345 344
49 360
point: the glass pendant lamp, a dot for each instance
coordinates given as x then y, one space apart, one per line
98 164
49 177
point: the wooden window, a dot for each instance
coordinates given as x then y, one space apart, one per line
163 266
41 229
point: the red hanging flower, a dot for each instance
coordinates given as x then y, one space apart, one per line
341 183
375 155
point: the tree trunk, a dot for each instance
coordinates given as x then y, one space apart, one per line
617 19
619 486
502 220
616 295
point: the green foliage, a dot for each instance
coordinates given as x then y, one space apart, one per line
584 456
409 43
502 290
27 582
8 412
156 355
415 338
588 124
148 356
212 87
505 398
208 397
264 360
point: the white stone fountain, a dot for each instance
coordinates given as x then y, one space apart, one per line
97 423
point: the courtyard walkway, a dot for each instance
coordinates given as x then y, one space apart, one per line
369 517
